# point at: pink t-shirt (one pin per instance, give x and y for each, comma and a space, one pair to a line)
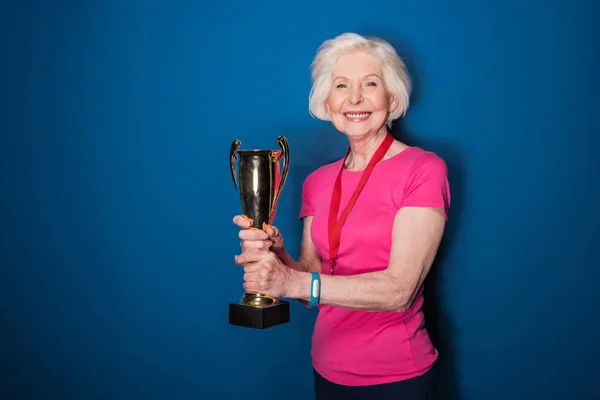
352, 347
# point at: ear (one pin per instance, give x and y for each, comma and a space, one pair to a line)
328, 110
393, 103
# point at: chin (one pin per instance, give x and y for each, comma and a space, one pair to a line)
359, 128
356, 131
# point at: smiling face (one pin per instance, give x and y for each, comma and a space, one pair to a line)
358, 103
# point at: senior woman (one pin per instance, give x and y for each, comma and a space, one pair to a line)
373, 221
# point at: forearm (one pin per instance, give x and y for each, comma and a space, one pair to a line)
373, 291
299, 265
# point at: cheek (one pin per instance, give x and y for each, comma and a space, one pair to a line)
379, 101
334, 104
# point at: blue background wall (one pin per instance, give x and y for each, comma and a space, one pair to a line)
117, 244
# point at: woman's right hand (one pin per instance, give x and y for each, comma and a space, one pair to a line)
269, 239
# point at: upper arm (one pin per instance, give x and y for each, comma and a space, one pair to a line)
416, 236
419, 223
308, 251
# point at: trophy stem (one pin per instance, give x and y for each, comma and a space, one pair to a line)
258, 300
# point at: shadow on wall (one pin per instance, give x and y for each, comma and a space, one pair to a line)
441, 328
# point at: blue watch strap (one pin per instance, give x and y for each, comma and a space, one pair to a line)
315, 289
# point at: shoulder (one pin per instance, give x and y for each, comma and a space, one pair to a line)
323, 173
418, 160
426, 181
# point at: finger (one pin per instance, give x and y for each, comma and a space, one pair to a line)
242, 221
256, 273
252, 277
242, 260
251, 255
254, 244
251, 268
253, 286
252, 234
272, 231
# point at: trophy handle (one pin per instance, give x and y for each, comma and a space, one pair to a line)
285, 154
232, 158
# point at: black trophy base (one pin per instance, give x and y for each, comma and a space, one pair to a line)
259, 318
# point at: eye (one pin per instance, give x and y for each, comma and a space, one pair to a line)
341, 85
371, 84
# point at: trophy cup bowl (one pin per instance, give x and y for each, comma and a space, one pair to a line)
259, 180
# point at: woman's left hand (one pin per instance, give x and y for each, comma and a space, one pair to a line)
265, 273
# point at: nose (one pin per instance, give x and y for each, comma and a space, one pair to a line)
355, 95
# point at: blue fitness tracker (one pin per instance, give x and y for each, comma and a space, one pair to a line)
315, 289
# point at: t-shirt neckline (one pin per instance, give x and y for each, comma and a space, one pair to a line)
345, 171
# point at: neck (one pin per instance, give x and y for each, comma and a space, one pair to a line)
362, 149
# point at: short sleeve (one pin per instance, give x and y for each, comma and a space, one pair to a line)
427, 184
306, 207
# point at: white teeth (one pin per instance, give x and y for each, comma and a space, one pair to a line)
362, 115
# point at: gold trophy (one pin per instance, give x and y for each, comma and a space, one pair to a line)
259, 181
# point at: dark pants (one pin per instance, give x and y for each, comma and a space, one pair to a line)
418, 388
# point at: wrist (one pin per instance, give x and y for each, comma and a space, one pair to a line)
300, 288
279, 252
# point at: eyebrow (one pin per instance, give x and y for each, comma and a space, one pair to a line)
364, 77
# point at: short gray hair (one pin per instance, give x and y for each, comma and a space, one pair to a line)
395, 77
